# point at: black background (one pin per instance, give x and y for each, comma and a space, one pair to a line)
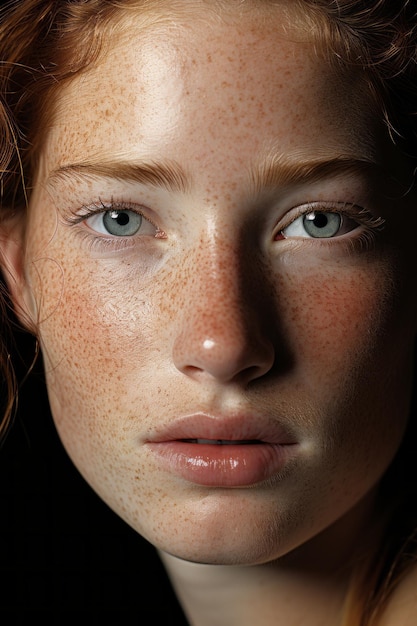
65, 556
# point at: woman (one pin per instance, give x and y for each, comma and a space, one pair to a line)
208, 223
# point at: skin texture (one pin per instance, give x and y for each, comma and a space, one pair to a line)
211, 310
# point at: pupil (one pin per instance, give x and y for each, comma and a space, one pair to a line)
320, 220
122, 219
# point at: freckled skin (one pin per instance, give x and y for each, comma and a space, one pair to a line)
218, 315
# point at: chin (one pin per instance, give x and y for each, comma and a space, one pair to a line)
244, 548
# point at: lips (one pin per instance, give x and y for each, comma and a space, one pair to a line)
221, 451
223, 442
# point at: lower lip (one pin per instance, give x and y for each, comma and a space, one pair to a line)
215, 465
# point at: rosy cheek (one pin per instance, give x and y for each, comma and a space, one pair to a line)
332, 317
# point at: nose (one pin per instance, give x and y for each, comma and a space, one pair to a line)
224, 332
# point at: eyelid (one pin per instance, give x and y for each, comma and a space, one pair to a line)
101, 206
88, 210
353, 211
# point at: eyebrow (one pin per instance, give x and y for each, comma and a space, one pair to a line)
277, 171
274, 172
169, 174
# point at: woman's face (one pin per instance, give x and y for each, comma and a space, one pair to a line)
224, 290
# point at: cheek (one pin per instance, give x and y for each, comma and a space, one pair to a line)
99, 334
335, 316
351, 332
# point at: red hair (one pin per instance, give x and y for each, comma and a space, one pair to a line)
44, 43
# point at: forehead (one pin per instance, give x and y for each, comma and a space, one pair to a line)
203, 78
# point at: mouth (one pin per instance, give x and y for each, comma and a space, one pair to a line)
224, 442
222, 451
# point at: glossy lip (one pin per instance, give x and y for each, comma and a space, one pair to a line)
262, 449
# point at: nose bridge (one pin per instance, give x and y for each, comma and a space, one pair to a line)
217, 294
218, 282
221, 331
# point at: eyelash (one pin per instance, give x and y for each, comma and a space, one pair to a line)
353, 212
364, 218
112, 241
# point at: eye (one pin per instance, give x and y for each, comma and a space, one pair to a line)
120, 223
319, 225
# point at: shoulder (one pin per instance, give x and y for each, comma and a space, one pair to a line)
402, 606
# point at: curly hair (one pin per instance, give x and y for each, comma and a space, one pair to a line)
381, 37
53, 40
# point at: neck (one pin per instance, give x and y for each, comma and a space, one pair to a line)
308, 586
217, 595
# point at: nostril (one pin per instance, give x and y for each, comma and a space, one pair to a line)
224, 337
226, 359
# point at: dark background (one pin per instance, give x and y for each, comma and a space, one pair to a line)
65, 556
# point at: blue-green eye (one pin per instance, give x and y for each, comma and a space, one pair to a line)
319, 225
114, 220
119, 223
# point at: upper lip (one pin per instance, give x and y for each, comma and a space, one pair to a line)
237, 427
